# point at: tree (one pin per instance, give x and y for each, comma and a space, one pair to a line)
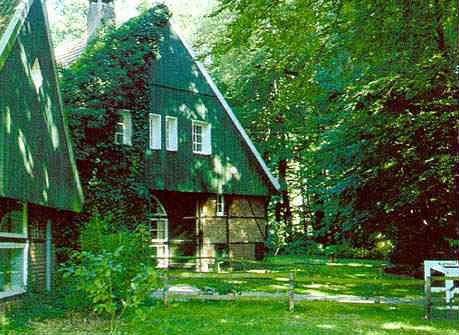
351, 111
68, 20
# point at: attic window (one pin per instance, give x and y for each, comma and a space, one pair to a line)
123, 129
155, 131
36, 75
171, 133
201, 136
220, 207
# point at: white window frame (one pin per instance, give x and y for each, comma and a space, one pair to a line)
206, 138
163, 221
171, 134
23, 244
155, 131
125, 121
220, 205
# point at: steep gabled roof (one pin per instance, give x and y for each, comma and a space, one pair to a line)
178, 70
36, 159
12, 16
212, 89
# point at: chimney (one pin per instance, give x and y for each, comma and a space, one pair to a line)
101, 13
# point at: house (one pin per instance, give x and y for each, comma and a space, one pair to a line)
39, 183
208, 186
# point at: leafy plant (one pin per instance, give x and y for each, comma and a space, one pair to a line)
113, 272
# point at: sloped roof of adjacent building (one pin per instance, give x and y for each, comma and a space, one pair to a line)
12, 16
36, 158
69, 54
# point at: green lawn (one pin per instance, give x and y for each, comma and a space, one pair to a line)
256, 318
313, 276
259, 317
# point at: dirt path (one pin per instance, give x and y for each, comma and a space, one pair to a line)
187, 292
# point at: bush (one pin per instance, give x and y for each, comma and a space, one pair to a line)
113, 271
303, 246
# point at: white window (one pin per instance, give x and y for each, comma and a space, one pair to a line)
220, 207
201, 136
37, 77
158, 228
171, 133
13, 253
155, 131
123, 129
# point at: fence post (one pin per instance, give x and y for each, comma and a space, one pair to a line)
378, 289
216, 265
428, 297
165, 290
291, 292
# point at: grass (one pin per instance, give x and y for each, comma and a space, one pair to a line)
254, 318
244, 316
313, 276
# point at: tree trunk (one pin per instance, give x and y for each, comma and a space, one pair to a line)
283, 208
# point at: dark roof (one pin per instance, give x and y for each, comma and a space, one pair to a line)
68, 55
176, 74
12, 16
36, 159
177, 77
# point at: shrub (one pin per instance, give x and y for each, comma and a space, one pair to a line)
303, 246
113, 271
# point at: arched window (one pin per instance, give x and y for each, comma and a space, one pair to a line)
159, 228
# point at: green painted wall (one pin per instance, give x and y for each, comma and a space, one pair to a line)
35, 159
179, 89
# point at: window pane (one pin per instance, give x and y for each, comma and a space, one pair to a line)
12, 222
127, 128
201, 138
161, 235
220, 205
11, 269
119, 132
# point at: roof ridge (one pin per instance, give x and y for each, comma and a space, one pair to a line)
12, 29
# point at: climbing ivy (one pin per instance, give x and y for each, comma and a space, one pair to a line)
111, 76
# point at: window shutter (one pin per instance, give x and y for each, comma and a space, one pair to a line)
171, 133
155, 131
127, 124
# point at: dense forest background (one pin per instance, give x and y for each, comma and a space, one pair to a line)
353, 104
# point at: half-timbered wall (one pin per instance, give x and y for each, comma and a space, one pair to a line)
240, 233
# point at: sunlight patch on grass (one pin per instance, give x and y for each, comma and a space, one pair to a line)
354, 265
326, 326
236, 281
277, 287
314, 286
281, 279
258, 271
400, 325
